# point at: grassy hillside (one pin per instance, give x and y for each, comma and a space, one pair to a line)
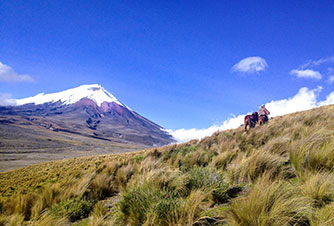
277, 174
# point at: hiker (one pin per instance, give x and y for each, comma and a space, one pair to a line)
263, 114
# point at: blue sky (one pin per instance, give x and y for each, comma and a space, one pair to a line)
171, 61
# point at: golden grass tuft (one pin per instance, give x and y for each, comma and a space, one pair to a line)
268, 203
13, 220
50, 220
319, 188
323, 216
244, 168
123, 175
21, 205
100, 187
45, 200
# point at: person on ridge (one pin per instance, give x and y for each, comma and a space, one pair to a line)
263, 114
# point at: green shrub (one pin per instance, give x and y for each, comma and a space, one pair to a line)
208, 179
166, 210
139, 158
179, 150
135, 204
75, 209
202, 177
138, 203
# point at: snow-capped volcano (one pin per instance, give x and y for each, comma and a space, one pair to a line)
87, 110
93, 92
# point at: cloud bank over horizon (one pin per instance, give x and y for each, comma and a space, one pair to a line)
6, 99
250, 65
305, 99
7, 74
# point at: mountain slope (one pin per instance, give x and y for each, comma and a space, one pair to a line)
277, 174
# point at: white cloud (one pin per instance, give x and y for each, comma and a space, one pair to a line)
182, 135
6, 99
7, 74
305, 99
315, 63
307, 73
331, 79
329, 100
250, 65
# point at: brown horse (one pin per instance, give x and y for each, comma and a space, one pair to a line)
251, 120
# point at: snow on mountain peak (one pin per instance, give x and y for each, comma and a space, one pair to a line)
94, 92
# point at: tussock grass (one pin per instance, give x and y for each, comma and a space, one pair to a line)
280, 173
323, 216
13, 220
123, 175
45, 200
74, 209
319, 188
314, 152
21, 205
50, 220
100, 187
247, 168
279, 145
222, 160
268, 203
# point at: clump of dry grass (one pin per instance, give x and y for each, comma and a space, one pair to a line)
323, 216
123, 175
147, 206
279, 145
100, 187
21, 205
319, 188
50, 220
222, 160
244, 168
191, 208
268, 203
13, 220
162, 178
314, 152
45, 200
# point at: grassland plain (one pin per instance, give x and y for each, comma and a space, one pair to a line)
277, 174
23, 145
